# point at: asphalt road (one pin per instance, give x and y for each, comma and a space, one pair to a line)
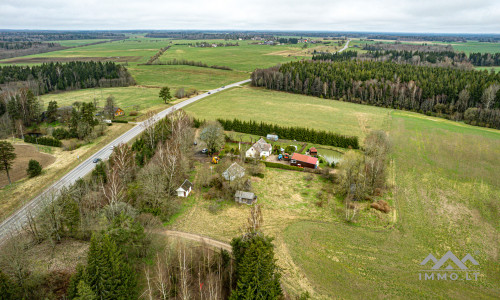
345, 46
19, 218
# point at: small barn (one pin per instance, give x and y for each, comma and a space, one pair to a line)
259, 149
313, 152
305, 161
234, 171
118, 111
184, 189
245, 197
272, 137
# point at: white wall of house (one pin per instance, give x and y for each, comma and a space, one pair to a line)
183, 193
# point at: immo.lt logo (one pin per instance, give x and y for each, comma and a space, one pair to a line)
449, 267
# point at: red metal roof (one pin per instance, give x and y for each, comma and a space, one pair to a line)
304, 158
313, 149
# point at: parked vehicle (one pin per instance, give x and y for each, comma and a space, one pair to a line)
204, 151
96, 160
215, 160
280, 157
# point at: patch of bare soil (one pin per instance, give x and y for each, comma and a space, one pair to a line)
24, 154
36, 60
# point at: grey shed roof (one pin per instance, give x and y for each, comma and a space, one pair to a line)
186, 185
261, 145
244, 195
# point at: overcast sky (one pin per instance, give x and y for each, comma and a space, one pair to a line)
440, 16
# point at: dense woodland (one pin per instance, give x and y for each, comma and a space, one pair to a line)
51, 77
49, 35
468, 95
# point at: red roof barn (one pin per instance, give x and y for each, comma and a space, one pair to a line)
313, 152
301, 160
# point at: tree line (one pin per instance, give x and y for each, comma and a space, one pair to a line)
24, 45
193, 63
290, 133
443, 58
485, 59
473, 96
51, 77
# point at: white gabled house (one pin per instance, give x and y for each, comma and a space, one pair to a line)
184, 189
259, 149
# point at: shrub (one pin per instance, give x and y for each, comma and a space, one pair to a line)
119, 121
34, 168
47, 141
61, 134
133, 113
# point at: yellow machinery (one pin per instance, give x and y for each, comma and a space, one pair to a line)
215, 160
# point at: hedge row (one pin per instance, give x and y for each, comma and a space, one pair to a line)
282, 166
47, 141
291, 133
119, 121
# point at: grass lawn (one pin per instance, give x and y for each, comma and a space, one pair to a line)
184, 76
248, 103
245, 57
444, 191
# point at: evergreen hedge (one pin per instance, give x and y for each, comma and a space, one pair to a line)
119, 121
47, 141
291, 133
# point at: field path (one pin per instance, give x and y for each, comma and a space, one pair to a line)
195, 237
16, 221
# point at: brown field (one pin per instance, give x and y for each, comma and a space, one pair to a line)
12, 197
39, 60
24, 154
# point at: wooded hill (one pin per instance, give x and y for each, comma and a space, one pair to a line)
473, 96
50, 77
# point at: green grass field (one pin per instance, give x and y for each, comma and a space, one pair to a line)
248, 103
184, 76
245, 57
445, 190
125, 97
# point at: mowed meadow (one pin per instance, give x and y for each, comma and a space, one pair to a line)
443, 186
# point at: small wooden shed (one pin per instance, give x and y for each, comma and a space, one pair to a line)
184, 189
245, 197
313, 152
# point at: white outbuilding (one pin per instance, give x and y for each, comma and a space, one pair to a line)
184, 189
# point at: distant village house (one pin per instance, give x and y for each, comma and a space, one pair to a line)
118, 111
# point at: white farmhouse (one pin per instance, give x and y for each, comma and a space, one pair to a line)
259, 149
184, 189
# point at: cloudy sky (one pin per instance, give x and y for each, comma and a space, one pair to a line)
440, 16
